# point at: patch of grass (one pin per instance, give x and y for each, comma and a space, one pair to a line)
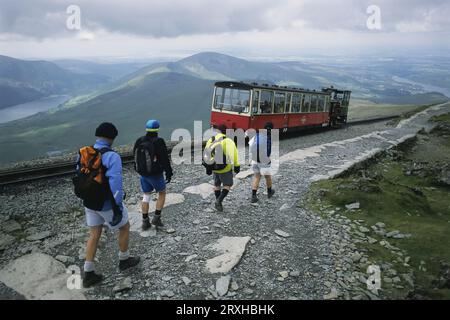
409, 202
442, 118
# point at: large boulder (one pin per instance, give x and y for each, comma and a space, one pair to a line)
204, 190
231, 250
39, 276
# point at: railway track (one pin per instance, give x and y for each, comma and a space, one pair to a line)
66, 168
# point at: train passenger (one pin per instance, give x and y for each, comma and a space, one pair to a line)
151, 161
260, 147
104, 203
222, 168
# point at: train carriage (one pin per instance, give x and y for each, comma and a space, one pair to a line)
241, 105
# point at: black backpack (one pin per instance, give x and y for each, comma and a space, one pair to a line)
145, 161
90, 183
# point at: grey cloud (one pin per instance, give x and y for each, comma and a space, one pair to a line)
46, 18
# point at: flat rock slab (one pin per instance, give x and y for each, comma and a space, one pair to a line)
39, 236
6, 240
11, 226
204, 190
244, 174
135, 216
39, 276
231, 250
352, 206
282, 233
123, 285
222, 285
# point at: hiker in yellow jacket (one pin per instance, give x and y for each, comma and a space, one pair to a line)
222, 169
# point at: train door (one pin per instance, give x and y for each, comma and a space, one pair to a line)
287, 110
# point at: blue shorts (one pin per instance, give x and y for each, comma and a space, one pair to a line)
157, 183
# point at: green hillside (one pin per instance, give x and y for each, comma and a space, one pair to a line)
175, 99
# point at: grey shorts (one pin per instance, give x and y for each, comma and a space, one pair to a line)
223, 178
99, 218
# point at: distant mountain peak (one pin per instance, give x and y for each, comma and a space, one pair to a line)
209, 55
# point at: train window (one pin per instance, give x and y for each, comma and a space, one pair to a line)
296, 103
321, 104
306, 103
235, 100
288, 102
280, 102
255, 102
313, 104
266, 101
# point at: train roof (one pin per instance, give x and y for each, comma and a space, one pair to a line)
254, 85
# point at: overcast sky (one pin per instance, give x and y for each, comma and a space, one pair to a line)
247, 28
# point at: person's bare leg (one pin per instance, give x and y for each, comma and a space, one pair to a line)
268, 181
125, 260
255, 186
90, 277
144, 207
144, 210
92, 243
256, 180
270, 191
124, 237
161, 200
159, 206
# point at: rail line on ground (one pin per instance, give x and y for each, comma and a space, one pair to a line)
66, 168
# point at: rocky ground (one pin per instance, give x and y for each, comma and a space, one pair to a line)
275, 249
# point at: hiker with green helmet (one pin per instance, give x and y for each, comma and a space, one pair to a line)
151, 161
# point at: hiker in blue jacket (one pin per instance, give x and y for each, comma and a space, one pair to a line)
114, 215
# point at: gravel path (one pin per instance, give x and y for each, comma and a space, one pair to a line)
313, 262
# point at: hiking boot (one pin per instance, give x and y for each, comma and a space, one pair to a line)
218, 206
270, 193
129, 263
156, 221
254, 199
146, 224
91, 279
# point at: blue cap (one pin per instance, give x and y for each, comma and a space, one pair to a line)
152, 126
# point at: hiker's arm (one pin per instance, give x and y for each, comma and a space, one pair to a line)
114, 175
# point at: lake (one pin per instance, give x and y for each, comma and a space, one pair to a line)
28, 109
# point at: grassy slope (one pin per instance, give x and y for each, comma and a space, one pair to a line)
408, 203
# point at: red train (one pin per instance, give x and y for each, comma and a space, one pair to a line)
241, 105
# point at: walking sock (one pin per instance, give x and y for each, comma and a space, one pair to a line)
222, 196
254, 192
157, 212
124, 255
217, 193
144, 216
89, 266
269, 190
